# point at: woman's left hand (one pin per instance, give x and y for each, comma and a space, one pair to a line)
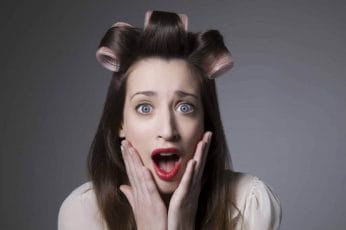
184, 201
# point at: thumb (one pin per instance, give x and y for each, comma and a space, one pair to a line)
127, 190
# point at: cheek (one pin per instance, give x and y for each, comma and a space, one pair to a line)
137, 133
191, 134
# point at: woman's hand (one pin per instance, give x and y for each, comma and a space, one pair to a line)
149, 210
184, 202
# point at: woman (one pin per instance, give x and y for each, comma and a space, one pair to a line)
159, 159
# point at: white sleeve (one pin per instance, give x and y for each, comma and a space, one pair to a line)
262, 208
79, 211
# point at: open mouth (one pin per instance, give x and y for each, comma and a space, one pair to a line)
167, 162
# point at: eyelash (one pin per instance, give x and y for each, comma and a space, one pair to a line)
190, 107
139, 108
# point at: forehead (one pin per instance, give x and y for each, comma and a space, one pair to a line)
162, 75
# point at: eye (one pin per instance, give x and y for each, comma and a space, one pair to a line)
185, 108
144, 108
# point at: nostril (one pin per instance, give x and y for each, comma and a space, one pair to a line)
171, 137
167, 126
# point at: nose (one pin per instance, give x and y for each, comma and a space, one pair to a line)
167, 126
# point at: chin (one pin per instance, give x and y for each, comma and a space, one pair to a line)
167, 187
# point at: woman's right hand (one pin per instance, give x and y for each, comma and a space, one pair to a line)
149, 210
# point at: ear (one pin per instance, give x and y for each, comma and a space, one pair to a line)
219, 66
108, 59
121, 133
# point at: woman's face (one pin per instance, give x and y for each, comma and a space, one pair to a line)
163, 117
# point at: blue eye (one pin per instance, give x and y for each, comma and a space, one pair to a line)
185, 108
144, 108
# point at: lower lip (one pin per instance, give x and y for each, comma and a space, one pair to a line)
167, 176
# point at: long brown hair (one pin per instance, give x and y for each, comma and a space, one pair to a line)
165, 37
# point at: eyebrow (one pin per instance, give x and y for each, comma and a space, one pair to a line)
180, 93
146, 93
185, 94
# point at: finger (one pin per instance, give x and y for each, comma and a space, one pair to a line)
138, 170
127, 191
149, 183
135, 156
205, 151
198, 156
141, 176
186, 181
134, 166
128, 162
126, 159
201, 154
143, 185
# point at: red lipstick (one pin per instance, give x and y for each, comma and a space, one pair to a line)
167, 162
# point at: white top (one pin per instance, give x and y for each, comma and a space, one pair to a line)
259, 207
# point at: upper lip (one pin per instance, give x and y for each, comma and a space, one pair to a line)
165, 150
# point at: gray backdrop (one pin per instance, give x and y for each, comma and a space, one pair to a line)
283, 105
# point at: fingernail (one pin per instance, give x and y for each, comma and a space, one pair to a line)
209, 136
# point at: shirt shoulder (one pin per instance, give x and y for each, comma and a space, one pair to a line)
80, 211
257, 206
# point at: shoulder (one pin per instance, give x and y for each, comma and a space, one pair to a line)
80, 211
257, 206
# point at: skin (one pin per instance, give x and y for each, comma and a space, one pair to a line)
163, 109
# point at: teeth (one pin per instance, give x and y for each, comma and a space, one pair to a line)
167, 154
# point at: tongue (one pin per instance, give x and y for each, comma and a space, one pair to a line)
166, 165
